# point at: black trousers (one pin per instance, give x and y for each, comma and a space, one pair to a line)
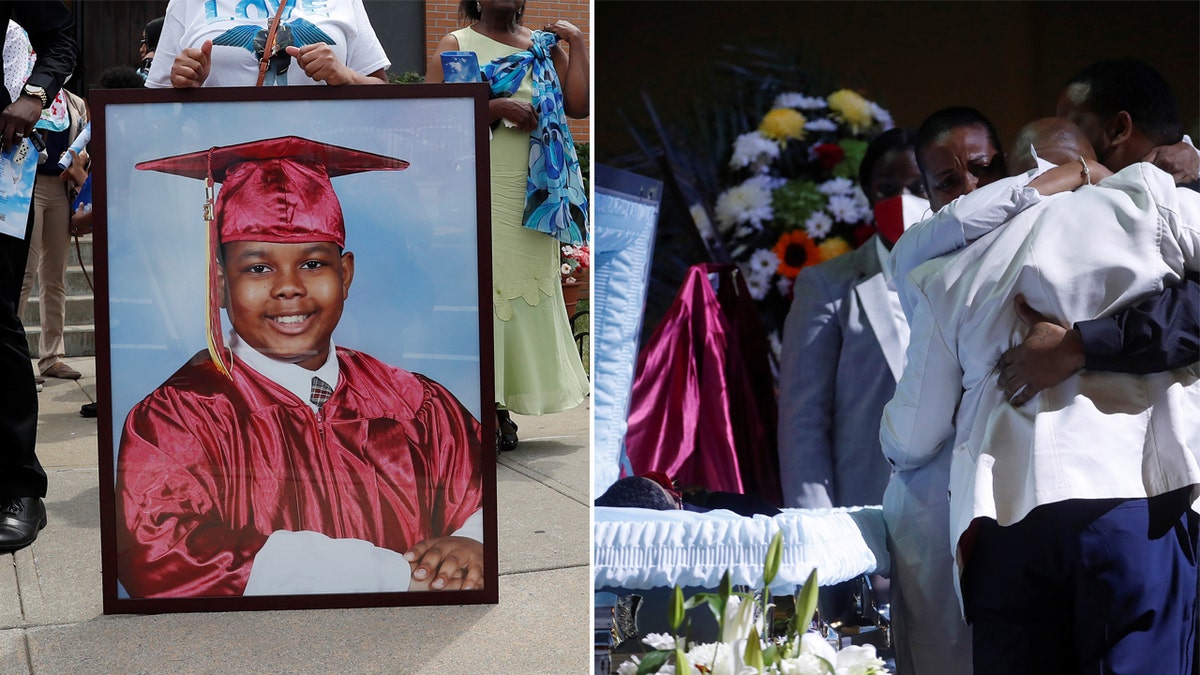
21, 473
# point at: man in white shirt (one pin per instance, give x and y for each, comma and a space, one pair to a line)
1030, 487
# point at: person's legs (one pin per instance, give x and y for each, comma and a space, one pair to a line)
506, 431
928, 630
1017, 597
1136, 592
32, 259
53, 209
21, 474
32, 262
1096, 586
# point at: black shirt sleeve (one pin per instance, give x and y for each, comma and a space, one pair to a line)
1161, 333
49, 25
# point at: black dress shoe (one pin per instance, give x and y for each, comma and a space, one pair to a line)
88, 410
21, 518
506, 432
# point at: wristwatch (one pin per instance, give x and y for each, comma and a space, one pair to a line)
40, 93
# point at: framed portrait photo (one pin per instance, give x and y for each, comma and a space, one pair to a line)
294, 347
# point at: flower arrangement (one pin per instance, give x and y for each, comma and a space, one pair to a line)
746, 645
795, 200
576, 259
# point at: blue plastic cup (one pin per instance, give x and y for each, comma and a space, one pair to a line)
460, 67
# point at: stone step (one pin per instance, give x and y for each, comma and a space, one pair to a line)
78, 340
79, 333
78, 281
85, 248
81, 309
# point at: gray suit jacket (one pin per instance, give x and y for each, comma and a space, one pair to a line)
842, 356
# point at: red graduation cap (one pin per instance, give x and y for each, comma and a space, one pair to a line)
276, 190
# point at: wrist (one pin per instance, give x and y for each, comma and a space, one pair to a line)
1085, 173
1073, 346
36, 93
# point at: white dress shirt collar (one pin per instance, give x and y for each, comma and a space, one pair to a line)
294, 378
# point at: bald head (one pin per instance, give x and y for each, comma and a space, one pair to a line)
1055, 139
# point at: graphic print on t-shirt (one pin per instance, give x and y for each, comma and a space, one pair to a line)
253, 37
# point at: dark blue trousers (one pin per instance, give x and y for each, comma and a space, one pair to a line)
1086, 586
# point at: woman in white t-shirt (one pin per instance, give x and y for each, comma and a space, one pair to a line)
218, 44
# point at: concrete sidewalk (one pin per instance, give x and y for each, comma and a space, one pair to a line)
51, 617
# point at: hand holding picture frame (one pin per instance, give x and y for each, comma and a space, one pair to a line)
292, 363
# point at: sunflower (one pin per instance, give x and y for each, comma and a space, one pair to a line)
795, 251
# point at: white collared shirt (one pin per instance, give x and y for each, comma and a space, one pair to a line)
294, 378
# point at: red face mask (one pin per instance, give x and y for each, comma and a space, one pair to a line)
896, 214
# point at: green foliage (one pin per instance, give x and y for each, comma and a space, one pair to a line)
795, 201
774, 559
411, 77
652, 661
681, 661
848, 167
676, 610
806, 604
754, 652
758, 654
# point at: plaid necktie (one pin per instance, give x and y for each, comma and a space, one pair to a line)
321, 391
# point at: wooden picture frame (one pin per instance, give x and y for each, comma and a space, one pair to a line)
183, 517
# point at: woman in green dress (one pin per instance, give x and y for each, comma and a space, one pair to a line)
538, 369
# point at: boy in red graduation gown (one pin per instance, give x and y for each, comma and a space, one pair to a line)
282, 432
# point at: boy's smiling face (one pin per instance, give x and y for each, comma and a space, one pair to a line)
284, 300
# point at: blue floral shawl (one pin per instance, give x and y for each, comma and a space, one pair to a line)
555, 202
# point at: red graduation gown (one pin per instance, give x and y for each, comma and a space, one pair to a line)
209, 468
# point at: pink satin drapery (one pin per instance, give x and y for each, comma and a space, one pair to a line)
703, 406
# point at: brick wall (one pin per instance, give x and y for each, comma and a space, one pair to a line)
441, 17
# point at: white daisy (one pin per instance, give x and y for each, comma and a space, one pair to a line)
755, 151
818, 225
793, 99
762, 261
758, 286
820, 124
837, 186
882, 116
748, 203
844, 209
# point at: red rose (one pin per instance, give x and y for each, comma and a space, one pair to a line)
828, 155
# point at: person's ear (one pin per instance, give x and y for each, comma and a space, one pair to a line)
1119, 129
222, 289
347, 273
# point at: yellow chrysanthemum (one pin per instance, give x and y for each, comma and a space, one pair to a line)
795, 252
782, 124
832, 248
852, 108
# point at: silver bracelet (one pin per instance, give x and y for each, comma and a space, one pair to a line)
1086, 174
